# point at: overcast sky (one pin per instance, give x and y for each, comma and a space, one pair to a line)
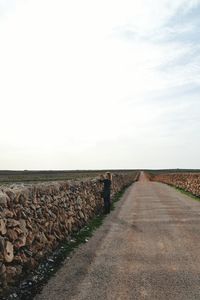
99, 84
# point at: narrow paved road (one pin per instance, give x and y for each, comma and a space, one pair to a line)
148, 248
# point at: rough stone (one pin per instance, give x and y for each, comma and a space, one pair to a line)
189, 182
36, 217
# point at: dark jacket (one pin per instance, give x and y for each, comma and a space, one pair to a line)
106, 186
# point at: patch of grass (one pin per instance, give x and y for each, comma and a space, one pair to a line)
87, 231
187, 193
117, 197
183, 192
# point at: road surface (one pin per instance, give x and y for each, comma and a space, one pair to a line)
147, 248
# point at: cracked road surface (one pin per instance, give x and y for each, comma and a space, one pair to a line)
147, 248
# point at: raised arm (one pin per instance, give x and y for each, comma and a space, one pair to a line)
101, 179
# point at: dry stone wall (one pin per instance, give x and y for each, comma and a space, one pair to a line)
35, 218
189, 182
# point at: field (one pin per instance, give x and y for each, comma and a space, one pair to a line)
26, 176
8, 177
164, 171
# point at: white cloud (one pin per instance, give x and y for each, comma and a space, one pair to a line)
79, 77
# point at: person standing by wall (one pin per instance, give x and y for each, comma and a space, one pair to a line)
107, 181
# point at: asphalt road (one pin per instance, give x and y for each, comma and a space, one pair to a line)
148, 248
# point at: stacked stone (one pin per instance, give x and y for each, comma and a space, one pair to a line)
35, 218
189, 182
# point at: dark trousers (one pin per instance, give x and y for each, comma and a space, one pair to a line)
106, 199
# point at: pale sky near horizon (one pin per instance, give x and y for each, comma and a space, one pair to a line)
99, 84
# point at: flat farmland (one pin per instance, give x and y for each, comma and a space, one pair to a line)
166, 171
26, 176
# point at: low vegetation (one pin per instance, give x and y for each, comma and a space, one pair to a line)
10, 177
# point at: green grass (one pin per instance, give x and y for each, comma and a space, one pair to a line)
186, 193
183, 192
87, 231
